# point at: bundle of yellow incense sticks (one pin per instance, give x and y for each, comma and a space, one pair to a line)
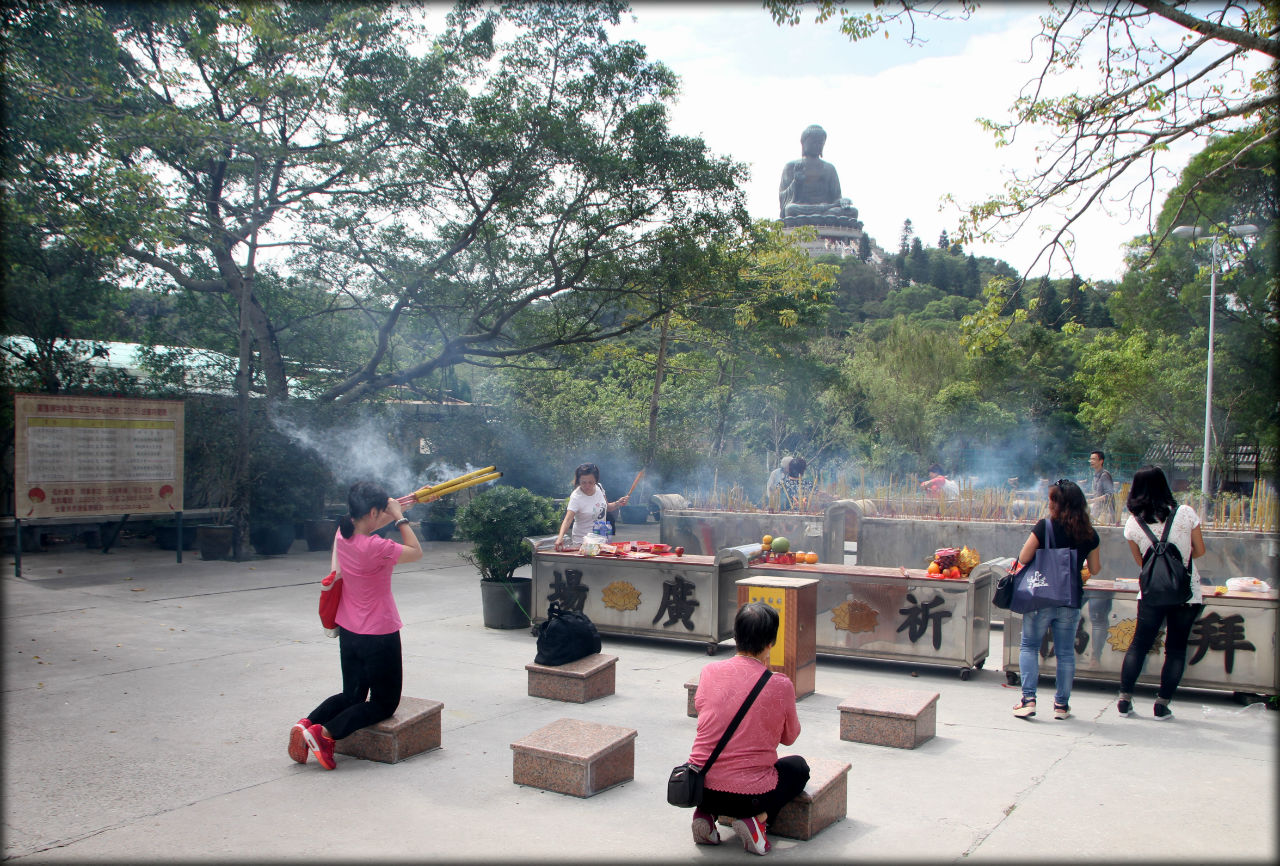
453, 485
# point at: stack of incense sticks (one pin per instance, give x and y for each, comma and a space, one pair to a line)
453, 485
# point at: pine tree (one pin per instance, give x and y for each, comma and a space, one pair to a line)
904, 243
864, 248
1048, 311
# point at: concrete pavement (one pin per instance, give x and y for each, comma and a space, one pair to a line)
147, 706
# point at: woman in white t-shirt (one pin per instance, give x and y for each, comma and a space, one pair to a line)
587, 504
1152, 502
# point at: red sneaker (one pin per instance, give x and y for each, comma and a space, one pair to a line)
704, 828
321, 745
298, 741
751, 832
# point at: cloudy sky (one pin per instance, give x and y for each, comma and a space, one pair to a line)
900, 120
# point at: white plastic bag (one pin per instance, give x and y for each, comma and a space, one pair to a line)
1247, 584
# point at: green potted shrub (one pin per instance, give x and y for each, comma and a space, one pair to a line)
497, 522
440, 522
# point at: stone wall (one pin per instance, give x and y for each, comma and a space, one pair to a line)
898, 541
894, 541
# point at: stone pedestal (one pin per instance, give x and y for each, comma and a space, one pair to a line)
903, 718
574, 757
823, 801
414, 728
578, 681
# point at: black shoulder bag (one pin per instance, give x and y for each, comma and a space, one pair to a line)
684, 786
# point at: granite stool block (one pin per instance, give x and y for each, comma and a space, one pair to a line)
574, 757
412, 729
692, 686
578, 681
824, 800
903, 718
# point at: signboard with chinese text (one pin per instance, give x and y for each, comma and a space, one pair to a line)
96, 456
896, 614
685, 598
1233, 643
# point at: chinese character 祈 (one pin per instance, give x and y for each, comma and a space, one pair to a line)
920, 615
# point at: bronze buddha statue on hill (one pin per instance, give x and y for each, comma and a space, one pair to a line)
809, 193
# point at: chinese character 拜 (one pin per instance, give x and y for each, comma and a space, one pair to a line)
1216, 632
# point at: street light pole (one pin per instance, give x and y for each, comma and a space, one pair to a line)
1195, 232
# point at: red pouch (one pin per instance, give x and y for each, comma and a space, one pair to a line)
330, 596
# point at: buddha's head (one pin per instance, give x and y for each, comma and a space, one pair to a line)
812, 140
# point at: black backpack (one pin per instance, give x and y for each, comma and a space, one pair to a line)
566, 636
1165, 579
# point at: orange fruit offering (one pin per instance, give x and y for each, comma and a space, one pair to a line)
811, 558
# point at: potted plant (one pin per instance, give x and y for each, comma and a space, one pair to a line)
440, 522
497, 522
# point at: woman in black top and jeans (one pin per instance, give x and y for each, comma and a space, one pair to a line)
1071, 528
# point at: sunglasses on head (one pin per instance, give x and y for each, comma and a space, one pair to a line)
1063, 482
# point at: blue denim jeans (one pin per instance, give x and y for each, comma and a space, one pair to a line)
1063, 620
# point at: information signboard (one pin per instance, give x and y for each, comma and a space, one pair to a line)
90, 456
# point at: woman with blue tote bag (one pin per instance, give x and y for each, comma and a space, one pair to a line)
1068, 526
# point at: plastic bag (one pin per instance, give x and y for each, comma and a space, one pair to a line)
1247, 584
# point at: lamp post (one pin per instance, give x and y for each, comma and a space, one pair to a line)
1195, 233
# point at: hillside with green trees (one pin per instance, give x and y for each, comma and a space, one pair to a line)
364, 235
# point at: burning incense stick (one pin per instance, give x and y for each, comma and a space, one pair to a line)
453, 485
639, 475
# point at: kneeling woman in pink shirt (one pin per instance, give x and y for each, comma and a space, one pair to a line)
747, 782
368, 625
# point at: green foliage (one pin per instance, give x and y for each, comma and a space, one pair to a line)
497, 522
1142, 388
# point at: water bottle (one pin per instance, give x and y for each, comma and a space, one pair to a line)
601, 527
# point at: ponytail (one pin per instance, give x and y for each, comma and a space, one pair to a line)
346, 526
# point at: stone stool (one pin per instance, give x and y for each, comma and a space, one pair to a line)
574, 757
692, 685
903, 718
414, 728
578, 681
823, 801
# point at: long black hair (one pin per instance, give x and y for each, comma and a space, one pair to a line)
1067, 506
1150, 499
363, 497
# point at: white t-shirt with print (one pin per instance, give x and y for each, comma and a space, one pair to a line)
586, 510
1185, 519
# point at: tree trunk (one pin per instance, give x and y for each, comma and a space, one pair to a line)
240, 487
659, 370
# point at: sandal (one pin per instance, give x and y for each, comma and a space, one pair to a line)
1025, 708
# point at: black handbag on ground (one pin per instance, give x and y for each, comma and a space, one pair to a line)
684, 785
566, 636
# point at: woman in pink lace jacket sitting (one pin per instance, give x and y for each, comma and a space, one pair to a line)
748, 781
